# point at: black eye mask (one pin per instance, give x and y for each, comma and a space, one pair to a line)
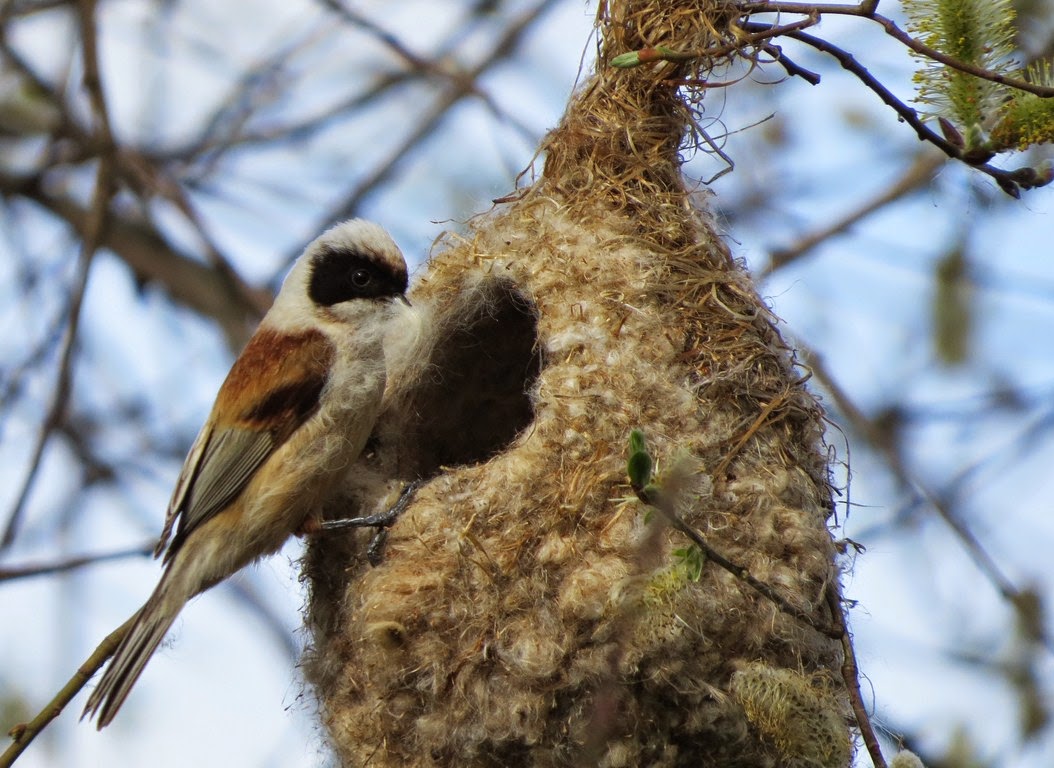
339, 275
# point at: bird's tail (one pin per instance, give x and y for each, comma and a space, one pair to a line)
134, 651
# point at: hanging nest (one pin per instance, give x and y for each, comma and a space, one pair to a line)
527, 609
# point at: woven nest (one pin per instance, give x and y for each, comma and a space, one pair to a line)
527, 610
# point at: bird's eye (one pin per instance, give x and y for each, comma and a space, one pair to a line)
361, 278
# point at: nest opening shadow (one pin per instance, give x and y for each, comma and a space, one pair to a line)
462, 390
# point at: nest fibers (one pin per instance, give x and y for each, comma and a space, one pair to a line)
527, 610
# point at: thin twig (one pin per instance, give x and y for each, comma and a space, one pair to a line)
63, 380
104, 179
850, 64
837, 630
914, 178
15, 376
22, 735
863, 425
891, 28
462, 87
654, 497
258, 300
149, 256
793, 69
142, 174
851, 678
1009, 181
391, 41
11, 573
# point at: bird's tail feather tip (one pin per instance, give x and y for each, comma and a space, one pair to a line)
127, 664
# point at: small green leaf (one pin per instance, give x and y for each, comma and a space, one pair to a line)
639, 469
640, 464
636, 441
626, 60
692, 560
647, 56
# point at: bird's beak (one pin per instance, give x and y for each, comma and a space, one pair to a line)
404, 300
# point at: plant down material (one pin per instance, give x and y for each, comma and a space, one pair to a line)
798, 715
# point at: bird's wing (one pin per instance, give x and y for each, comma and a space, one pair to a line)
273, 388
179, 494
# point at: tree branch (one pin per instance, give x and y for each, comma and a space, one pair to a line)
851, 678
93, 231
1010, 182
654, 498
22, 735
864, 426
867, 11
13, 573
462, 87
228, 299
916, 176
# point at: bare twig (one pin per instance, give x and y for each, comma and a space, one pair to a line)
223, 129
104, 180
462, 87
837, 630
654, 497
864, 426
15, 375
150, 257
22, 735
258, 300
851, 678
751, 33
63, 379
917, 175
792, 69
219, 292
11, 573
96, 222
868, 12
1010, 182
13, 9
372, 28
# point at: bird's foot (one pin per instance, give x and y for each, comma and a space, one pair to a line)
381, 522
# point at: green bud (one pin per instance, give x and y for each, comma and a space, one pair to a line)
978, 150
951, 133
636, 441
626, 60
639, 469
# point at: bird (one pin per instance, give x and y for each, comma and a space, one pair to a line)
295, 410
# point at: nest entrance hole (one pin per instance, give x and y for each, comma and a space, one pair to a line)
475, 397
